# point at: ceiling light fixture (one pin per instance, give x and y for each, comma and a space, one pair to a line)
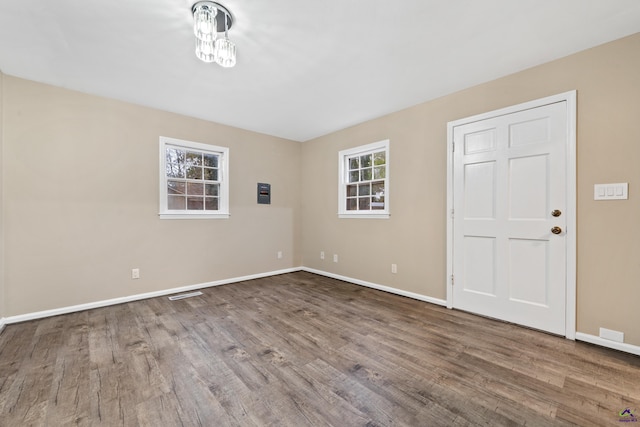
209, 19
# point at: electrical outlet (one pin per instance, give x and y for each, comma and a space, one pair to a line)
394, 268
321, 254
335, 257
135, 273
279, 254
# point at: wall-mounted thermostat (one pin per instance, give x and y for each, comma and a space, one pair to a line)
264, 194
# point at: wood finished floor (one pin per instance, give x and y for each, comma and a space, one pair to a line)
303, 350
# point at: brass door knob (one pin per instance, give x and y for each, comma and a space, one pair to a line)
556, 213
556, 230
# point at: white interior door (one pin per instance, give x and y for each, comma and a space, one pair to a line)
509, 226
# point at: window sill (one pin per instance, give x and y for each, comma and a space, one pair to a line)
365, 216
193, 216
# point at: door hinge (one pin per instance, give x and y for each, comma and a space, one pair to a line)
454, 146
452, 212
452, 280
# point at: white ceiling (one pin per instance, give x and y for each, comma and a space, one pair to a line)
304, 68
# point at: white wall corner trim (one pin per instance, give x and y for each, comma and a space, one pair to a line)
620, 346
384, 288
122, 300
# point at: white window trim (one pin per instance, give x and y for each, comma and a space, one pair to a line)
223, 198
343, 181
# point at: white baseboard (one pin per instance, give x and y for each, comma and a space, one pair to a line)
389, 289
121, 300
627, 348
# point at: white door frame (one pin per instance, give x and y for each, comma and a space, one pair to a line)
570, 99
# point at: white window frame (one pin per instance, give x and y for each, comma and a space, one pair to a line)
223, 178
343, 181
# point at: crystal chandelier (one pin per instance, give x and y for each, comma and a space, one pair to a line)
209, 19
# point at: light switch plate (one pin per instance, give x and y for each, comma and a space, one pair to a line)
616, 191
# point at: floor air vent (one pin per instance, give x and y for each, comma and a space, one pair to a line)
183, 296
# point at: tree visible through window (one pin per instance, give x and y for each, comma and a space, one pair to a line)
193, 183
364, 181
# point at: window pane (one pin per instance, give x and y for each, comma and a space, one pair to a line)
194, 188
352, 204
353, 163
175, 187
174, 170
211, 160
210, 174
211, 203
365, 175
379, 158
364, 189
352, 190
365, 161
354, 176
194, 172
379, 172
195, 203
211, 189
377, 199
377, 188
176, 202
194, 158
363, 203
175, 155
377, 204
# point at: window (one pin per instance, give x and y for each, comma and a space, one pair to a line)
194, 180
364, 181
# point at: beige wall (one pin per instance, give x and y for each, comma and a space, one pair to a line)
608, 86
2, 309
81, 201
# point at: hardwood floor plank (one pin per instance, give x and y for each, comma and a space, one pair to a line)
162, 411
71, 375
585, 403
303, 350
377, 408
26, 399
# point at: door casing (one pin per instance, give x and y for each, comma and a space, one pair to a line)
571, 102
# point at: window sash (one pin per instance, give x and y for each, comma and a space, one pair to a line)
192, 180
364, 183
